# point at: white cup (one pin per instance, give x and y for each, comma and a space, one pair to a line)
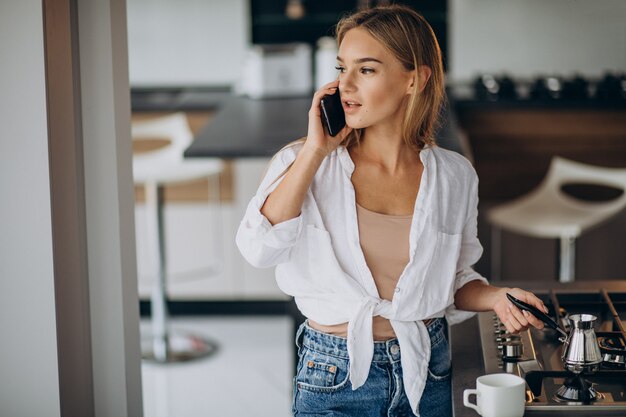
498, 395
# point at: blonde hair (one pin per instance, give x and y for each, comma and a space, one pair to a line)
410, 39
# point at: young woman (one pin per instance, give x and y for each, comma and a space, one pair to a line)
373, 231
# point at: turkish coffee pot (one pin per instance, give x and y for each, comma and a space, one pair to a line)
581, 352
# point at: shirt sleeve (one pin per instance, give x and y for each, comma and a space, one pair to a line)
262, 244
471, 251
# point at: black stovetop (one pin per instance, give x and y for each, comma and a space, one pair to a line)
541, 365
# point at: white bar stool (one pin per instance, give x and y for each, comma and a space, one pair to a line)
548, 212
154, 169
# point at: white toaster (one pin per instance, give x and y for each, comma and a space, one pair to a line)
281, 70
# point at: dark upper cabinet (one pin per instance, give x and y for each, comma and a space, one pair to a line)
270, 23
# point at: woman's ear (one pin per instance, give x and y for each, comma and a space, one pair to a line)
421, 76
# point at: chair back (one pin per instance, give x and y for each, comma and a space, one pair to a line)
563, 171
167, 164
173, 127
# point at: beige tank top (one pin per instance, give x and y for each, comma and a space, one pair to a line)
385, 244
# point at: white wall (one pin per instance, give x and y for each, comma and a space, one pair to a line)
30, 368
186, 42
29, 374
533, 37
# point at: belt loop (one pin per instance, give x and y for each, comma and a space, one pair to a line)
299, 334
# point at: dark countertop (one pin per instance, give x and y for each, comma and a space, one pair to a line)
600, 105
178, 98
466, 351
245, 128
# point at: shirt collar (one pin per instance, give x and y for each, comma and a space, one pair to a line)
346, 161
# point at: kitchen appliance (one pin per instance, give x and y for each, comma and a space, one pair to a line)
491, 88
581, 352
612, 87
277, 70
550, 89
325, 61
541, 358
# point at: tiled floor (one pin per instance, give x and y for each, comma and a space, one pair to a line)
250, 375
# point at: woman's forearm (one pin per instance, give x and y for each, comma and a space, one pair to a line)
477, 296
285, 202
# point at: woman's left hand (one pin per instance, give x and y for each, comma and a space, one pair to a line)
514, 319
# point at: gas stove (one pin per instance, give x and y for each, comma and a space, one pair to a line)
535, 355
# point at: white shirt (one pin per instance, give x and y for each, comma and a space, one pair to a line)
320, 263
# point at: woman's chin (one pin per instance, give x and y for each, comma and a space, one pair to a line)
355, 124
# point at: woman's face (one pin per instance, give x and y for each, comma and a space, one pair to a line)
372, 82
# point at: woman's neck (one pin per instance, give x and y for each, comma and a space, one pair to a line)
387, 150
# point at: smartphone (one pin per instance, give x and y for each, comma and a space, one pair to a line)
333, 117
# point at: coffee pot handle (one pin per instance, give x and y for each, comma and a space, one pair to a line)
466, 401
535, 312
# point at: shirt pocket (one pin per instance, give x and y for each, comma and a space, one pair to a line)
439, 279
319, 257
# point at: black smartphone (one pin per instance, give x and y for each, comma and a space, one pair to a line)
333, 117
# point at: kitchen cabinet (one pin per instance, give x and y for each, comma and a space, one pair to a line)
277, 21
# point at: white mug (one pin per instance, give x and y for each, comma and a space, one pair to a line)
498, 395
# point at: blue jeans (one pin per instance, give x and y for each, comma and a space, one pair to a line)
322, 386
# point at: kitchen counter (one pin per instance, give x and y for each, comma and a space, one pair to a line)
466, 349
246, 128
242, 127
249, 128
178, 99
473, 104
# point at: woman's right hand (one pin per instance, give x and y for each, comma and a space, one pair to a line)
317, 138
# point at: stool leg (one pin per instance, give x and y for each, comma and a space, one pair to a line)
214, 183
567, 259
165, 345
154, 213
496, 253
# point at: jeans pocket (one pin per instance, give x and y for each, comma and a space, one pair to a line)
440, 365
321, 373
